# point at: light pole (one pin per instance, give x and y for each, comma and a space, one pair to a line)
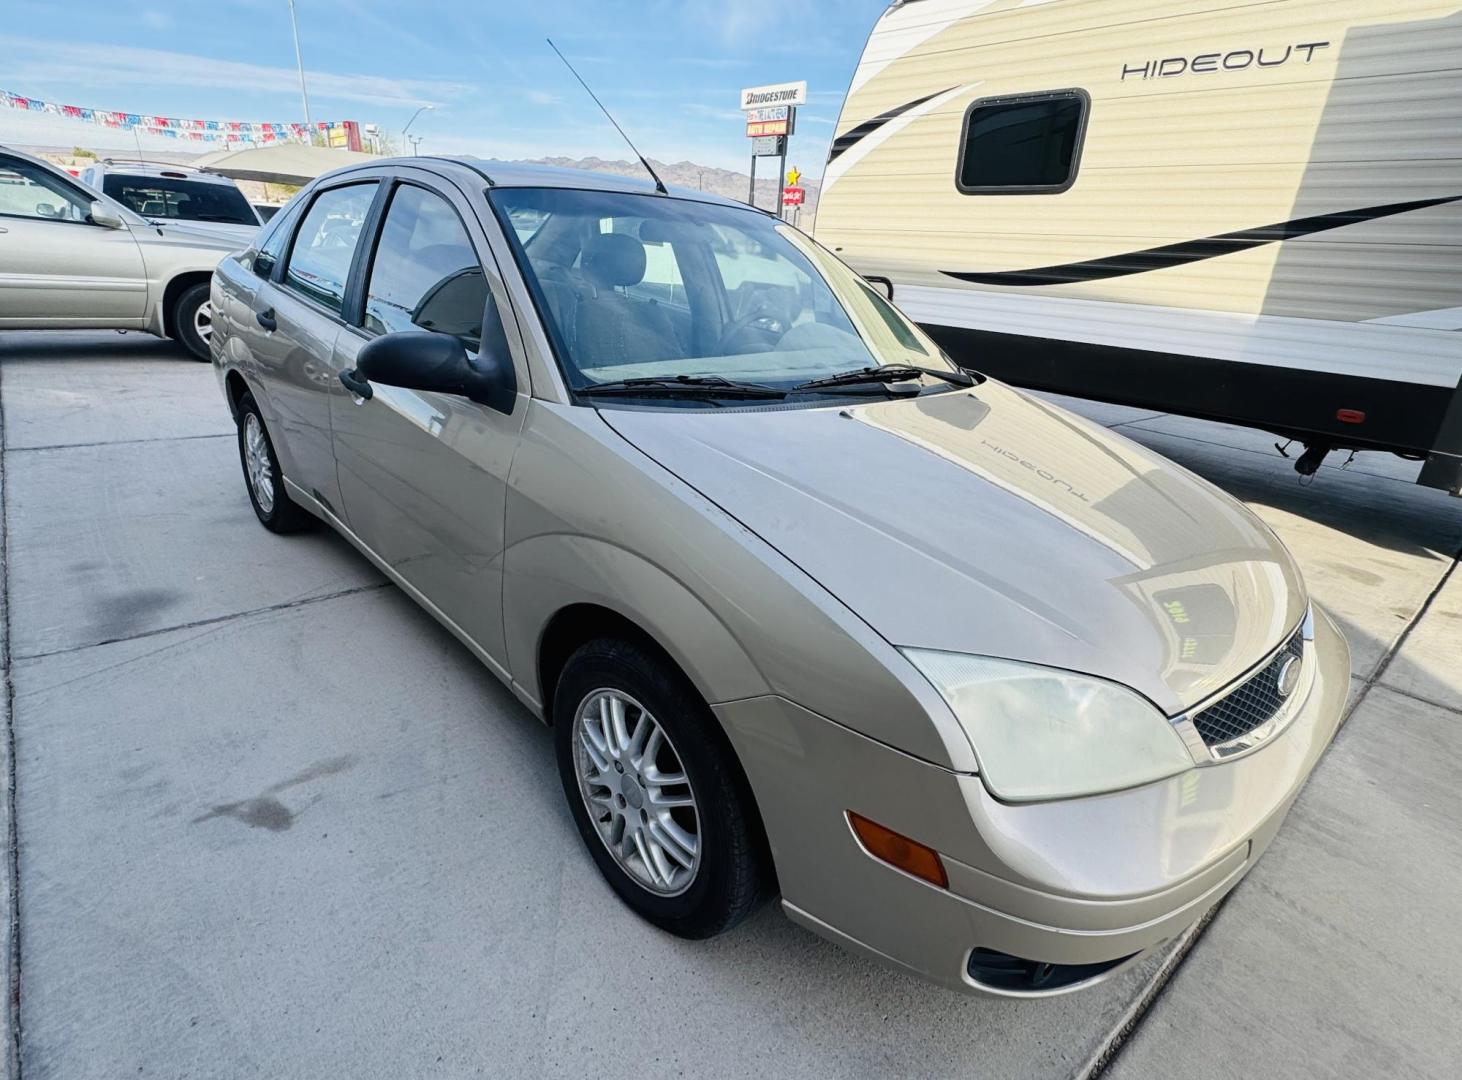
415, 143
300, 61
418, 112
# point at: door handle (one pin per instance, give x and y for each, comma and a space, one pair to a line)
266, 319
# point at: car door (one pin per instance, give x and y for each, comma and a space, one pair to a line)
424, 475
298, 314
58, 268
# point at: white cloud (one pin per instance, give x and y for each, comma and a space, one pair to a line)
733, 116
34, 63
543, 97
738, 22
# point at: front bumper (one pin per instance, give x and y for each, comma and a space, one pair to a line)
1077, 882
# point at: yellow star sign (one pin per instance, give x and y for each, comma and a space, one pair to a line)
793, 175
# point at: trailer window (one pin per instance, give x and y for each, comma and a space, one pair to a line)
1026, 145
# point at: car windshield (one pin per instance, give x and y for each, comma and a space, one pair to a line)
649, 287
180, 199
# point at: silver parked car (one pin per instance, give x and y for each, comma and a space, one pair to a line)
981, 689
166, 193
74, 258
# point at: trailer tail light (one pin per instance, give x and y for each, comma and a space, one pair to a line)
1350, 416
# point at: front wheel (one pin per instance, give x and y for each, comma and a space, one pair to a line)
193, 320
655, 792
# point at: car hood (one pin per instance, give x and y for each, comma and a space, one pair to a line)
989, 522
212, 235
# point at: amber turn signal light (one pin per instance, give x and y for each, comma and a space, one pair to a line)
908, 855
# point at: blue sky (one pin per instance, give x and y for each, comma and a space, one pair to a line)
670, 71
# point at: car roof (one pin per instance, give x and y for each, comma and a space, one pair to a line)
134, 167
516, 174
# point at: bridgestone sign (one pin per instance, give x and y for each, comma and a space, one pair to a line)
761, 97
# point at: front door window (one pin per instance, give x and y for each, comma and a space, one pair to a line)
26, 191
425, 274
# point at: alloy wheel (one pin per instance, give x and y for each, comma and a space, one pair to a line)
203, 322
637, 792
258, 463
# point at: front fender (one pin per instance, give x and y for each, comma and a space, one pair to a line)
546, 573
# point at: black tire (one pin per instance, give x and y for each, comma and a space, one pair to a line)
733, 872
282, 515
185, 311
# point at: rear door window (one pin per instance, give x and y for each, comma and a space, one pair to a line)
319, 261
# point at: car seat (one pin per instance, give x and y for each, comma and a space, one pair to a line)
612, 329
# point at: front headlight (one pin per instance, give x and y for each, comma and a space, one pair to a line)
1043, 733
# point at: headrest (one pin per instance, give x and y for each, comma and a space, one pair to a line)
614, 259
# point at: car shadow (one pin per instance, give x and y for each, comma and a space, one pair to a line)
1379, 510
73, 345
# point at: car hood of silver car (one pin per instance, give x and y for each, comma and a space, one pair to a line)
984, 521
205, 234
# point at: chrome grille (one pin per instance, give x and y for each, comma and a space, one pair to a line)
1251, 704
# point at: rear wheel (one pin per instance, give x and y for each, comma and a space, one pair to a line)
265, 483
193, 320
655, 792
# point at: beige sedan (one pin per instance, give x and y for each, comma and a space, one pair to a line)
73, 258
980, 689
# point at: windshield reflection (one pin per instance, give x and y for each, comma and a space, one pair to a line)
643, 287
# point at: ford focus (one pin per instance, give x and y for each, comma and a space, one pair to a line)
978, 688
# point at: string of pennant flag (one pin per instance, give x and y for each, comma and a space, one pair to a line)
171, 127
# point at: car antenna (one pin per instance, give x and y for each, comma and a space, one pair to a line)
659, 184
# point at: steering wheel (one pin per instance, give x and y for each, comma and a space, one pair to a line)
771, 323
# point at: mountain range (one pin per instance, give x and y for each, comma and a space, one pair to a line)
687, 174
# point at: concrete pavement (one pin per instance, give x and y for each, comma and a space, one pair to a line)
272, 820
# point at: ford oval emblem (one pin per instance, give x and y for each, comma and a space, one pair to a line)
1288, 676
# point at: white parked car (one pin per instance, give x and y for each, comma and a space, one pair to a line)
166, 194
74, 258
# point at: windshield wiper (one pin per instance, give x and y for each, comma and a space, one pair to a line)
683, 385
886, 373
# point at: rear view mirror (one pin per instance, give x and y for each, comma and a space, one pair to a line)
102, 214
421, 360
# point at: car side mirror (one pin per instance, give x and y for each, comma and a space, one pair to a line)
423, 360
102, 214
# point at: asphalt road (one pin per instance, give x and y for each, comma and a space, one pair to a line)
270, 820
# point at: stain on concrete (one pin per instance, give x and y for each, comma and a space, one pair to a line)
264, 811
1355, 573
122, 615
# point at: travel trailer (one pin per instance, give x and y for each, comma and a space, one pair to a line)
1249, 212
